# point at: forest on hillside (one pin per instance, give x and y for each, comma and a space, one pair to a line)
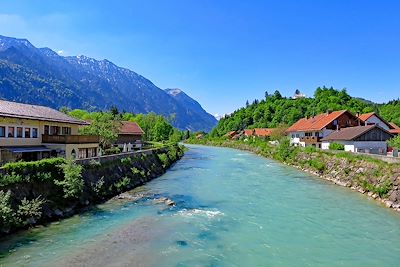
278, 111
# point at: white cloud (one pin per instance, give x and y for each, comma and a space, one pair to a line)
60, 52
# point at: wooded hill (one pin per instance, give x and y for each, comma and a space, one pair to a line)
276, 110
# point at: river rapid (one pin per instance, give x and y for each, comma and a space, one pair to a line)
232, 208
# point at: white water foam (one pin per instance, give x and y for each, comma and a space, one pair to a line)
198, 212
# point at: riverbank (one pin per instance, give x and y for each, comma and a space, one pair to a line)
375, 178
33, 193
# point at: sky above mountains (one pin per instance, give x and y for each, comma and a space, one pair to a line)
224, 52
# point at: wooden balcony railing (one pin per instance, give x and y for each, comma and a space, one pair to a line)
70, 139
310, 139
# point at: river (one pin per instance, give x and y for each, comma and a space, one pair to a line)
233, 208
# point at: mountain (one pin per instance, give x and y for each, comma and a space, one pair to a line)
41, 76
193, 108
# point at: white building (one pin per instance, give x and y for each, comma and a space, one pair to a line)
363, 139
374, 119
310, 131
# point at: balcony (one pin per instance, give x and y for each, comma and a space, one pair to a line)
70, 139
310, 139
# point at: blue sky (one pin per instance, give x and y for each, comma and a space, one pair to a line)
225, 52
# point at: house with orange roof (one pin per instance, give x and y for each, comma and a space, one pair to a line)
310, 131
259, 132
373, 118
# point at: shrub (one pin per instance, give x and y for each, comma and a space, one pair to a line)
336, 146
98, 186
164, 159
30, 210
7, 215
122, 184
310, 149
317, 165
41, 170
126, 161
112, 150
73, 182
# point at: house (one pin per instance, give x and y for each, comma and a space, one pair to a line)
310, 131
395, 129
31, 132
129, 136
364, 139
263, 132
297, 95
230, 134
374, 119
248, 132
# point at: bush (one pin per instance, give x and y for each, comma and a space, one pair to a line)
122, 184
317, 165
336, 146
163, 157
7, 215
310, 149
73, 182
112, 150
41, 170
126, 161
30, 210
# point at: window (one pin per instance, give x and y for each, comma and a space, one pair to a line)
19, 132
11, 132
2, 131
317, 134
292, 135
34, 132
54, 130
27, 132
66, 130
46, 129
92, 152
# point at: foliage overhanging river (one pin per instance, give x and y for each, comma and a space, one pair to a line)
232, 208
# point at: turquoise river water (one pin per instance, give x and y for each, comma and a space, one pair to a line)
232, 208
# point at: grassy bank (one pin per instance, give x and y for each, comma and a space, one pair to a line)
364, 174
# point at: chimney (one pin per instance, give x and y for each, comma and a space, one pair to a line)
329, 111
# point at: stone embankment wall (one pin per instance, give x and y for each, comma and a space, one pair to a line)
377, 179
41, 199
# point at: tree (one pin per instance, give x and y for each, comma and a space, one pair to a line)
277, 95
105, 126
297, 92
247, 103
395, 142
266, 95
114, 110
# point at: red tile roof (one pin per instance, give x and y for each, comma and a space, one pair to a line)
394, 126
366, 116
130, 127
263, 131
394, 131
248, 132
35, 112
316, 123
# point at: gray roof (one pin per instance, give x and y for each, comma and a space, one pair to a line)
27, 111
350, 133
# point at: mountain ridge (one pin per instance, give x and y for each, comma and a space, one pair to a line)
41, 76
